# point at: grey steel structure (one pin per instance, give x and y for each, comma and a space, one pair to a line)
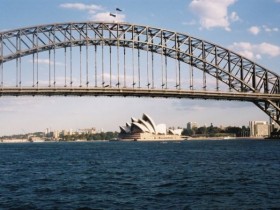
245, 79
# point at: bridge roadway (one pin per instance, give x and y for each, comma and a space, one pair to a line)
137, 92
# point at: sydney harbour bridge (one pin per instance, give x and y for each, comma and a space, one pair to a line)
122, 59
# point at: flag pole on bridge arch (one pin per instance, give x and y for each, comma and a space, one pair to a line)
116, 15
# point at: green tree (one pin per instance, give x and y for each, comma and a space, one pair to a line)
201, 130
187, 132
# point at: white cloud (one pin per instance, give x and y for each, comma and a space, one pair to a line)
17, 105
268, 29
269, 49
255, 51
258, 56
214, 13
254, 30
80, 6
2, 30
105, 16
46, 61
41, 61
95, 12
234, 17
189, 23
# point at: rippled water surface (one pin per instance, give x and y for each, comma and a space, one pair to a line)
141, 175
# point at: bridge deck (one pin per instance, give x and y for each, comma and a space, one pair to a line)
137, 92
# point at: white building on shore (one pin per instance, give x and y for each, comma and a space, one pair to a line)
259, 128
146, 129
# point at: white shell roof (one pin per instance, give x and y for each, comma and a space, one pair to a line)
140, 126
147, 125
150, 120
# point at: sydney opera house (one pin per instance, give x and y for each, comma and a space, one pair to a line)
146, 129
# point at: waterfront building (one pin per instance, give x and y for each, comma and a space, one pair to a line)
47, 131
87, 131
146, 129
55, 134
259, 129
65, 133
191, 125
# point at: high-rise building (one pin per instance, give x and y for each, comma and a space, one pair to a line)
191, 125
65, 132
47, 131
55, 134
259, 129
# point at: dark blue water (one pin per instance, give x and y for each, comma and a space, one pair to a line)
138, 175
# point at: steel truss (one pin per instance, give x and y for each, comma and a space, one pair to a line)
240, 74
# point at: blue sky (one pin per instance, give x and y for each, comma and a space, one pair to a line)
250, 27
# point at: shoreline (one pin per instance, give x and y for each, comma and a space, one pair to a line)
227, 138
17, 141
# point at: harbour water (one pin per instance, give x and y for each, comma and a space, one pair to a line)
224, 174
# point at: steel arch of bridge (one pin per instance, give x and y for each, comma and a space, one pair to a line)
246, 80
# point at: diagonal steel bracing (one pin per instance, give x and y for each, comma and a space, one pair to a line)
250, 80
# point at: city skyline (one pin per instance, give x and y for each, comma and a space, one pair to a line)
231, 25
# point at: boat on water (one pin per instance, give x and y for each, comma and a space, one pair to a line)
114, 139
229, 137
